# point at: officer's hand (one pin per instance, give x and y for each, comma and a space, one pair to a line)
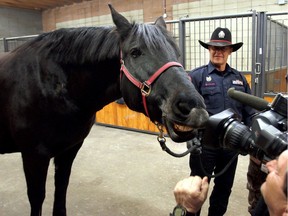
191, 193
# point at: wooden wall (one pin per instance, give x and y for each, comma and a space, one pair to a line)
276, 81
119, 115
87, 9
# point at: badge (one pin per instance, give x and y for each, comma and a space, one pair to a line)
208, 82
221, 34
208, 78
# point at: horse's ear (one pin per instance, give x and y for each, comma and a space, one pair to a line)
160, 22
122, 24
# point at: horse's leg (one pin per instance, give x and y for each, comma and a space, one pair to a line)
63, 164
35, 169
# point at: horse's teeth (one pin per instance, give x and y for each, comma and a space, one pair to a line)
182, 128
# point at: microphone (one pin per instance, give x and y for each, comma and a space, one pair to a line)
247, 99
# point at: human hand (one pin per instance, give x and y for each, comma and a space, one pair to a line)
191, 193
273, 188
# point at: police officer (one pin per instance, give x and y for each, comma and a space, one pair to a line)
212, 81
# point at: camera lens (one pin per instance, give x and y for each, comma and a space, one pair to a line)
237, 137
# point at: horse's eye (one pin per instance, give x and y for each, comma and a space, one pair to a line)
135, 53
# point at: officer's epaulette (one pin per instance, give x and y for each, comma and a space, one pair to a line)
203, 66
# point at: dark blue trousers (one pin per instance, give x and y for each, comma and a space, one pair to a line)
215, 160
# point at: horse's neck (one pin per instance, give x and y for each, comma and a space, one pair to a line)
3, 56
96, 84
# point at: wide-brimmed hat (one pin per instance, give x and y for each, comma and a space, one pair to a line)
221, 37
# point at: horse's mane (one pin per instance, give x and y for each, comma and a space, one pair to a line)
90, 44
154, 38
70, 45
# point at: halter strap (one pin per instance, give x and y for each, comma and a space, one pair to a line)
145, 87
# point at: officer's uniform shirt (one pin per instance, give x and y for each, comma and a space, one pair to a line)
213, 86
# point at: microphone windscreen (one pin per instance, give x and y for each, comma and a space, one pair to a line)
247, 99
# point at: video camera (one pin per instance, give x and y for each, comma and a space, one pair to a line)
267, 137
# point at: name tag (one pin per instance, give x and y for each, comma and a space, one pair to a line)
208, 84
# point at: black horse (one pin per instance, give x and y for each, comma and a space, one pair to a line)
52, 86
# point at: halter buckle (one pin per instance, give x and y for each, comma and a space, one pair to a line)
145, 89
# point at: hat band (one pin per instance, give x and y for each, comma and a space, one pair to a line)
221, 41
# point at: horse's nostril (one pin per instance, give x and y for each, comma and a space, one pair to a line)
183, 104
184, 107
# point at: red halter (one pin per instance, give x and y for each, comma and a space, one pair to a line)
145, 87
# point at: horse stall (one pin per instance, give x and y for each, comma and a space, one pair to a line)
116, 172
53, 85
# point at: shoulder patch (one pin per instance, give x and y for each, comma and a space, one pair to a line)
237, 82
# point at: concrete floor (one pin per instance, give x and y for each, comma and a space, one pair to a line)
117, 172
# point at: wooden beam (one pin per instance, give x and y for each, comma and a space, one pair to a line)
36, 4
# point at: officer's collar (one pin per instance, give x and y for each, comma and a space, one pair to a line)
212, 68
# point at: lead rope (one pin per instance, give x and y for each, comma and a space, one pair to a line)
162, 141
193, 149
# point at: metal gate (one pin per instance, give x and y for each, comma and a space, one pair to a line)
262, 59
271, 54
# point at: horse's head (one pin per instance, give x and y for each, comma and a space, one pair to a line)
153, 82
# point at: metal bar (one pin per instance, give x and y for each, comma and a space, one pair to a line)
21, 37
195, 61
182, 37
5, 43
253, 54
248, 48
217, 17
276, 13
242, 36
275, 48
262, 52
